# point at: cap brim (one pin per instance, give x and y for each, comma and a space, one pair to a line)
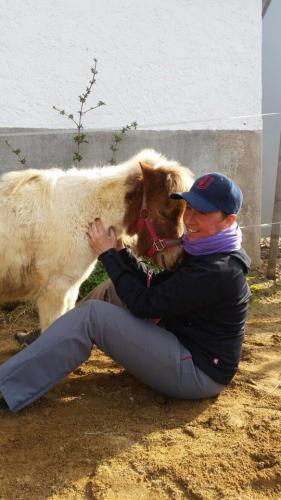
195, 201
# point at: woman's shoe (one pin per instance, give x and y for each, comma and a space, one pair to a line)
3, 404
26, 338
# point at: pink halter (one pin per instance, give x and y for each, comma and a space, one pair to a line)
157, 244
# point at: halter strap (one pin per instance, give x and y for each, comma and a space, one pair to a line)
158, 244
148, 284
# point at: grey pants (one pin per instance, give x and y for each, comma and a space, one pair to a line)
152, 354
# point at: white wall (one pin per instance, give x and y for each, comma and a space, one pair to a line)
159, 62
271, 104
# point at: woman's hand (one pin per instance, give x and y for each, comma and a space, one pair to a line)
100, 240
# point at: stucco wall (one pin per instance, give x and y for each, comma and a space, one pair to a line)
181, 69
160, 63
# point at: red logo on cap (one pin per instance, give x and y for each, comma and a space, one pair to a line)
205, 182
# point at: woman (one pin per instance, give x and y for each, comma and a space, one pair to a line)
191, 349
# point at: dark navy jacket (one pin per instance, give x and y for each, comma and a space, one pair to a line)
203, 302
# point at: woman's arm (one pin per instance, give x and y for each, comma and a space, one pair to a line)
101, 241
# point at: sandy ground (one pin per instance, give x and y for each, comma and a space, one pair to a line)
100, 434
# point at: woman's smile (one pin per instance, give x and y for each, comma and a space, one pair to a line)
203, 224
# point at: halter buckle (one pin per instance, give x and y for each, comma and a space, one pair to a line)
159, 245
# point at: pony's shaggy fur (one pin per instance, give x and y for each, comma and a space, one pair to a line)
45, 214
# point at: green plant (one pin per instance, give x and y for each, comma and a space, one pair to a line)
98, 276
261, 288
17, 152
80, 137
118, 138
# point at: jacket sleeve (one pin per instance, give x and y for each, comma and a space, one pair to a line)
129, 259
139, 268
136, 267
185, 290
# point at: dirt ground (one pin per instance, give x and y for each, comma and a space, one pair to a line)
100, 434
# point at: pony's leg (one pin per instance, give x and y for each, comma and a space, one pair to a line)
54, 302
71, 297
50, 307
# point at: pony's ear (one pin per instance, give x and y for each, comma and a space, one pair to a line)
160, 177
146, 168
148, 172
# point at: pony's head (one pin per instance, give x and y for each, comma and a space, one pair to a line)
153, 215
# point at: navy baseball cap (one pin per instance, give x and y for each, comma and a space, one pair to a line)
213, 192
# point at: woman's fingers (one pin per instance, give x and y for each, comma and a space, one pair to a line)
101, 239
112, 232
99, 227
96, 227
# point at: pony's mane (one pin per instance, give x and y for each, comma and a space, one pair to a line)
126, 173
11, 182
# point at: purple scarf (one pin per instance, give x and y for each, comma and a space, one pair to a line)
223, 242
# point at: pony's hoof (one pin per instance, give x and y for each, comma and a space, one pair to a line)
26, 338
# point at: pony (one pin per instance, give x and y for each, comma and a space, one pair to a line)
45, 214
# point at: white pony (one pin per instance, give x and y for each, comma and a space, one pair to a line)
45, 214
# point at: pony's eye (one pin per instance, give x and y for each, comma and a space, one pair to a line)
162, 213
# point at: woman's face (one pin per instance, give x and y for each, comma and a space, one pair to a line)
203, 224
